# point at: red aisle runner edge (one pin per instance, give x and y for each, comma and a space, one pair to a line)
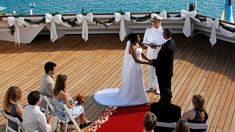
126, 119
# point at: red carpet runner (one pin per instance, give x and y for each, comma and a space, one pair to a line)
126, 119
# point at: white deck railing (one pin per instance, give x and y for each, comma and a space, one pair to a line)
28, 32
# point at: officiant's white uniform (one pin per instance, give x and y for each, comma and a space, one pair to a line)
153, 36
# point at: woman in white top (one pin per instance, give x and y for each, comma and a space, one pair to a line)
132, 91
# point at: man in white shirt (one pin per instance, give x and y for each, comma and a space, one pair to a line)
47, 82
153, 38
33, 118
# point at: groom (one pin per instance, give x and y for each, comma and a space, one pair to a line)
164, 62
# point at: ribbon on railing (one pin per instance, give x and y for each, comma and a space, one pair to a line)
84, 19
118, 17
215, 25
16, 22
163, 14
187, 24
53, 20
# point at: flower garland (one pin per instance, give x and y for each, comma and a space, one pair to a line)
104, 23
73, 21
227, 28
31, 22
12, 30
141, 19
201, 18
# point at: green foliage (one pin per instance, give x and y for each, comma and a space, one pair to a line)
12, 29
105, 23
141, 19
72, 22
31, 22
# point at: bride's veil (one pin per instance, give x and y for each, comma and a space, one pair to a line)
126, 63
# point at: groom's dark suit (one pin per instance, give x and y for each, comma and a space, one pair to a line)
164, 65
165, 112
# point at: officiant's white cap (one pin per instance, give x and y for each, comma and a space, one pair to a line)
155, 18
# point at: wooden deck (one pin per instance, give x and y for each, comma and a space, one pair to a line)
96, 64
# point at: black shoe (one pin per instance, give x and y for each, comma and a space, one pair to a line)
70, 122
149, 89
85, 124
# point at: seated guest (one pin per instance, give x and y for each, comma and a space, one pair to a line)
182, 126
33, 119
198, 114
150, 121
11, 105
61, 95
165, 111
47, 82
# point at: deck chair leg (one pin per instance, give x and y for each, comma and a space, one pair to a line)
6, 126
66, 126
75, 124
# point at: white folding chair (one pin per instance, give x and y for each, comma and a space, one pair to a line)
49, 106
13, 119
165, 124
198, 126
68, 116
191, 125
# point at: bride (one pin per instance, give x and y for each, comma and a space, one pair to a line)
132, 91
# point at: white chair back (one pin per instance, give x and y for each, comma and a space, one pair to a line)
191, 125
49, 106
13, 119
198, 126
68, 115
165, 124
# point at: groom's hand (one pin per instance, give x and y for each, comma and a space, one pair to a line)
151, 62
153, 46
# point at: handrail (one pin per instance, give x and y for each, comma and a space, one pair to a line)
222, 21
42, 15
134, 13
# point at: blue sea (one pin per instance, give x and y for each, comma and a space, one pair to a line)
212, 8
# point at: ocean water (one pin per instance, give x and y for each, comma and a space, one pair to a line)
212, 8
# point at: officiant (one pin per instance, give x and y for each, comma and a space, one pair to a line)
153, 38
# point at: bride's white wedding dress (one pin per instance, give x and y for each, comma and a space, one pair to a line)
132, 91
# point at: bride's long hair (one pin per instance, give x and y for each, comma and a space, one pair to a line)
133, 38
